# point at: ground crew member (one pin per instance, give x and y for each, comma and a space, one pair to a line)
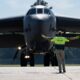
59, 42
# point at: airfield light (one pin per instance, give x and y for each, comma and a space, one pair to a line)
19, 48
27, 57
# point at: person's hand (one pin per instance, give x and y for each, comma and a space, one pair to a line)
46, 37
43, 36
78, 37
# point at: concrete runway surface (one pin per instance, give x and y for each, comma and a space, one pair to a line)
39, 73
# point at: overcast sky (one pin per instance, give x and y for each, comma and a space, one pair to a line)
11, 8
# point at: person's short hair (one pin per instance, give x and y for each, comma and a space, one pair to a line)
61, 30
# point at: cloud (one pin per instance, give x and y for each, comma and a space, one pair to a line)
12, 3
68, 8
62, 4
17, 4
20, 7
14, 7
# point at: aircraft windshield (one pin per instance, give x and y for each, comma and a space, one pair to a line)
39, 11
31, 11
46, 11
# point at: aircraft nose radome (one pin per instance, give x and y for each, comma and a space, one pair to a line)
40, 16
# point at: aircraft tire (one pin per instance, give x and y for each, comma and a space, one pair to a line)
53, 59
46, 59
32, 60
23, 61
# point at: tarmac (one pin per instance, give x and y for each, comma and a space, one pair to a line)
39, 73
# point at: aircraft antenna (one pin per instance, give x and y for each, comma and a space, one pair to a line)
40, 2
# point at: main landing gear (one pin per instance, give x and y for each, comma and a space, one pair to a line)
50, 57
27, 56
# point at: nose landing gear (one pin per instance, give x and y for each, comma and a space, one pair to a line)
26, 58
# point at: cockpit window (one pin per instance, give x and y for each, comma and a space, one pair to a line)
39, 11
31, 11
46, 11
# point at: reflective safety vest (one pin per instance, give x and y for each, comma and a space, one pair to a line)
59, 40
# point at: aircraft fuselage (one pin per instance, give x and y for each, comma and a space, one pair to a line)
38, 21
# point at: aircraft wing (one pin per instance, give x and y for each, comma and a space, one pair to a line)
14, 24
11, 32
68, 24
72, 43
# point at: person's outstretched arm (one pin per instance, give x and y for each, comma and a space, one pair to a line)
73, 38
46, 37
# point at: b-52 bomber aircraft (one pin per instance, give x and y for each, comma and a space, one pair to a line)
25, 32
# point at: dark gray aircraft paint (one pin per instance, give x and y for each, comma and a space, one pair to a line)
39, 21
26, 31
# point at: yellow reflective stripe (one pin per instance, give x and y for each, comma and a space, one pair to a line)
59, 40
